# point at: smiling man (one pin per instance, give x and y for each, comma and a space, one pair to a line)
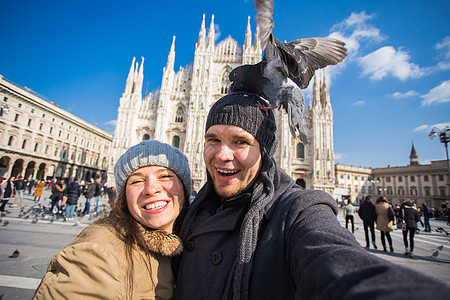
252, 233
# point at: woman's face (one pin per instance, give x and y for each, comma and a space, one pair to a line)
155, 197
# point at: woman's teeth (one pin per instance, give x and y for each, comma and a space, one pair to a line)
156, 205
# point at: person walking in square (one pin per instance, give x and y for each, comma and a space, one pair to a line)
38, 190
58, 190
426, 211
9, 192
349, 213
368, 215
73, 192
90, 191
97, 193
384, 224
411, 216
19, 185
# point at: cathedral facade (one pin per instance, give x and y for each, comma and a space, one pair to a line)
176, 113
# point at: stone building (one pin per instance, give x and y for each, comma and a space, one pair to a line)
352, 182
427, 183
176, 112
39, 140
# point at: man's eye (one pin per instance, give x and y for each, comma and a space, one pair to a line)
212, 140
242, 142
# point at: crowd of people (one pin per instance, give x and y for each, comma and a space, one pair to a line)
384, 217
64, 198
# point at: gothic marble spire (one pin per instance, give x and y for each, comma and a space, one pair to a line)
211, 34
202, 35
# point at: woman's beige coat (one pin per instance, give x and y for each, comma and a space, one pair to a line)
383, 222
94, 266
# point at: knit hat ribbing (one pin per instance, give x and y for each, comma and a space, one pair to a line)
240, 109
152, 153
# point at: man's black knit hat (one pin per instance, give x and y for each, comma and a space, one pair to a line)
240, 109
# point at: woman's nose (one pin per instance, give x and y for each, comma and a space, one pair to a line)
152, 187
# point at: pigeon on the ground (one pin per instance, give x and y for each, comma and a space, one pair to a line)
34, 221
5, 223
435, 254
15, 254
440, 247
285, 69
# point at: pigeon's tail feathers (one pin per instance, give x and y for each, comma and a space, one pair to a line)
294, 104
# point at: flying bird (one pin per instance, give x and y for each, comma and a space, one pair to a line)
285, 69
15, 254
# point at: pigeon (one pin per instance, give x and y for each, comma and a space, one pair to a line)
440, 247
5, 223
34, 221
15, 254
285, 69
435, 254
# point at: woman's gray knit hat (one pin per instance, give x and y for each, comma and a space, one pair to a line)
240, 109
152, 153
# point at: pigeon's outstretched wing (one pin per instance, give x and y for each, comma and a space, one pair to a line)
312, 54
300, 58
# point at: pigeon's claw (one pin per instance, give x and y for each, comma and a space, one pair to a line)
266, 108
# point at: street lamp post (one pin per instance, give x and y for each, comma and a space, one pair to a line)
444, 137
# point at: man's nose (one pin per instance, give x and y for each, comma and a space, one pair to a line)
225, 153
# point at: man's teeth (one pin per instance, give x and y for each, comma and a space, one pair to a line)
156, 205
227, 172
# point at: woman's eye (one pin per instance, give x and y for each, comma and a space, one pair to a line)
136, 181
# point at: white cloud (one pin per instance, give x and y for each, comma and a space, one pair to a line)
338, 156
387, 61
408, 94
427, 128
444, 46
438, 94
217, 32
359, 103
424, 127
355, 29
111, 123
440, 125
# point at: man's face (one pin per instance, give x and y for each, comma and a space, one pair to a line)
232, 157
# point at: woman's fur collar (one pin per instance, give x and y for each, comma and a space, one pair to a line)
151, 240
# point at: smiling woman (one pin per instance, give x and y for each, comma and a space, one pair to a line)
127, 255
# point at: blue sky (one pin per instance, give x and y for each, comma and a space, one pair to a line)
391, 90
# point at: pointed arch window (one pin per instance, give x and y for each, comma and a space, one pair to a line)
179, 118
225, 82
176, 141
300, 151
